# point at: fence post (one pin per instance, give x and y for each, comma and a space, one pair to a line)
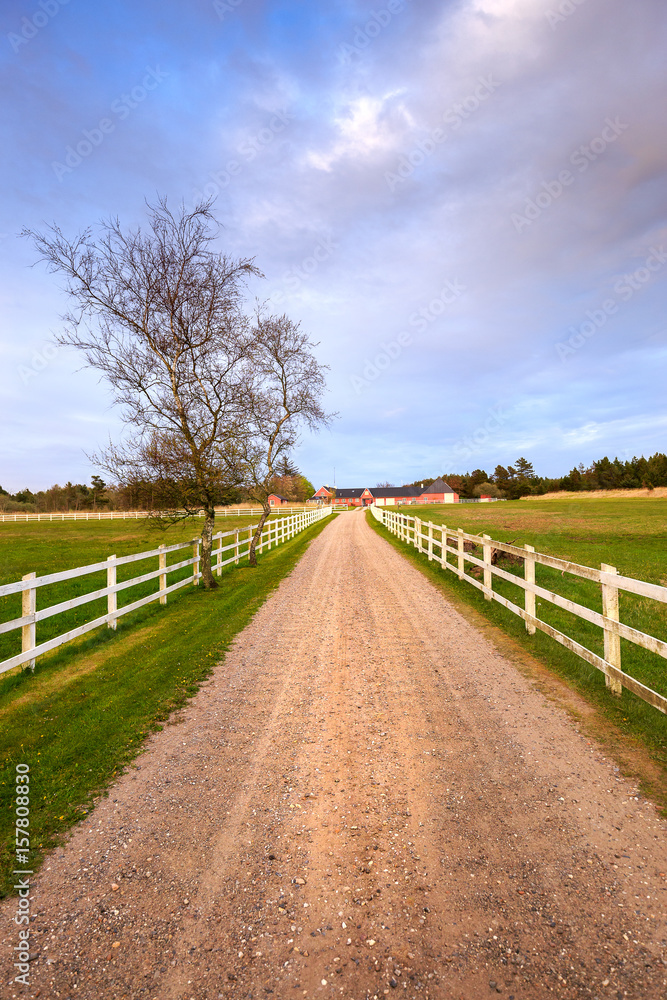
162, 564
488, 581
195, 565
443, 545
236, 547
418, 532
28, 607
460, 558
612, 641
430, 541
112, 599
529, 596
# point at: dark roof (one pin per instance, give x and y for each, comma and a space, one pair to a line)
280, 497
396, 491
438, 486
348, 493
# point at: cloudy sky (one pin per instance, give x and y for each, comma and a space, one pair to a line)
464, 201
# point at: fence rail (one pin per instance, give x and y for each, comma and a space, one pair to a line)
423, 535
274, 533
123, 515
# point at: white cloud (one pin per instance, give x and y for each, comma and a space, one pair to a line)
365, 126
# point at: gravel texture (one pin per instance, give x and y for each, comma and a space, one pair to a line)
365, 800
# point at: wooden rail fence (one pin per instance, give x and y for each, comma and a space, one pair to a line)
426, 537
274, 533
122, 515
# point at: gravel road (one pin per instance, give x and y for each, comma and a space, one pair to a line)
365, 800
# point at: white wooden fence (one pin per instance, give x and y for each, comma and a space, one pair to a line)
122, 515
237, 543
425, 536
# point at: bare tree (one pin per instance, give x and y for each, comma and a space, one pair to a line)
285, 394
158, 313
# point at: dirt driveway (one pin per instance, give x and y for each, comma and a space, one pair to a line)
365, 800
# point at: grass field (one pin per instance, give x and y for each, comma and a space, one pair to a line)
85, 712
628, 534
45, 547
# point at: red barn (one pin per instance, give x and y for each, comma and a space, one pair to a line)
388, 496
439, 492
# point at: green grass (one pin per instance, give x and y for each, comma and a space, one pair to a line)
628, 534
84, 713
46, 547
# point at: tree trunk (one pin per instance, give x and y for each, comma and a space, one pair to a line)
206, 546
252, 557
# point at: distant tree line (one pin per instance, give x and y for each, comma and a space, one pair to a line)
520, 480
289, 483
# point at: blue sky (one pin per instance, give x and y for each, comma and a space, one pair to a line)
464, 202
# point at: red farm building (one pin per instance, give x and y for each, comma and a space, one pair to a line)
390, 496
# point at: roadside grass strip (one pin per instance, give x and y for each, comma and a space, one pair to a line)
85, 712
637, 554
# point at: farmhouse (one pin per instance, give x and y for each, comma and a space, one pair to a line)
438, 492
276, 500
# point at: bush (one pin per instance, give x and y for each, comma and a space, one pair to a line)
487, 490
